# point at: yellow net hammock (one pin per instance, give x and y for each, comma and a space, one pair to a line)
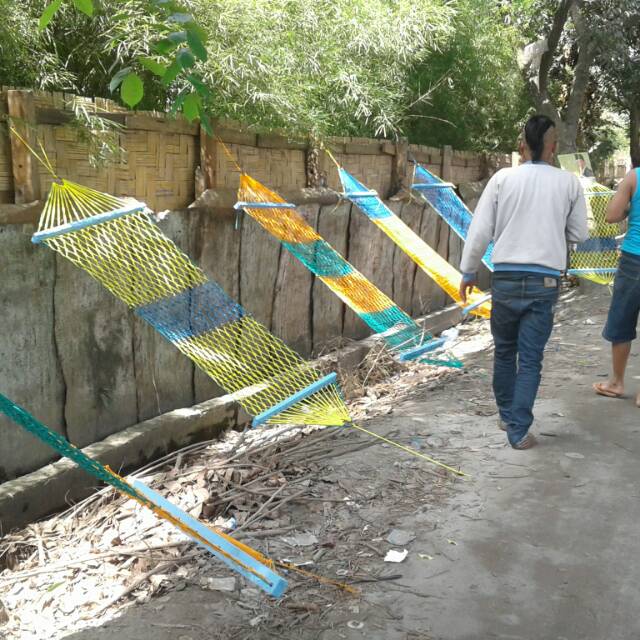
237, 556
118, 244
597, 258
428, 259
281, 219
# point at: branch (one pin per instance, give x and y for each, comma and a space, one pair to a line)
559, 20
583, 68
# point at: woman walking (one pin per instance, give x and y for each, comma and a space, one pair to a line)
620, 329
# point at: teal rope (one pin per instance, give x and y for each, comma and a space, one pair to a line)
54, 440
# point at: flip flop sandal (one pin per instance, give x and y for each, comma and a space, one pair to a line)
526, 443
597, 387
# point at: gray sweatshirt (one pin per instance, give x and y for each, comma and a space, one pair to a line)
530, 212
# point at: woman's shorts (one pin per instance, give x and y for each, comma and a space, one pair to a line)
625, 303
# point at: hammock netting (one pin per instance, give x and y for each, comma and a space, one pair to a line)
118, 244
597, 258
428, 259
236, 555
446, 203
382, 315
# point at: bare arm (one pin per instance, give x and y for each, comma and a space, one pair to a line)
618, 207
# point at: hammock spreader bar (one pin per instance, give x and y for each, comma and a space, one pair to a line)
238, 206
267, 579
285, 223
429, 260
581, 272
236, 555
433, 185
85, 223
468, 309
416, 352
332, 378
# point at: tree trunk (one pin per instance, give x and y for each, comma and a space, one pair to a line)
634, 132
566, 122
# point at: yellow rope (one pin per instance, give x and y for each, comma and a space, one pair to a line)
308, 574
44, 161
410, 450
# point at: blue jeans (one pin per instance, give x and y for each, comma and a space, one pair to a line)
521, 323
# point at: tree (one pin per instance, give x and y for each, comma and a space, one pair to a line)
470, 93
328, 67
562, 26
616, 25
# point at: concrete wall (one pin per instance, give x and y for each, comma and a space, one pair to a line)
82, 363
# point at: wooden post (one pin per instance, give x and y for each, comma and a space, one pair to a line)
446, 167
399, 167
484, 171
26, 179
208, 159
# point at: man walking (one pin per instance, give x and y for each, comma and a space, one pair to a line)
530, 212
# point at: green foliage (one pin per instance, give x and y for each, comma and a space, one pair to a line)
25, 59
471, 94
86, 6
439, 71
131, 89
48, 13
327, 67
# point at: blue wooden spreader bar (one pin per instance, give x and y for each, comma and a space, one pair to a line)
76, 225
296, 397
433, 185
263, 205
361, 194
475, 305
575, 272
264, 577
412, 354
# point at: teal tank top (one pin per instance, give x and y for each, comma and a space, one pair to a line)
631, 243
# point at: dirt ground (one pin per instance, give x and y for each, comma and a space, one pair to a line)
532, 545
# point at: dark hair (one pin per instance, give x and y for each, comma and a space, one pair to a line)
635, 161
534, 132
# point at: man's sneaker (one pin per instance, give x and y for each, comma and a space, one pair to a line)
526, 443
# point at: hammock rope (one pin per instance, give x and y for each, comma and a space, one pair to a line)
430, 261
597, 258
446, 203
118, 244
281, 219
236, 555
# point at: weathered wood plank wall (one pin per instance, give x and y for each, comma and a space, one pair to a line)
84, 364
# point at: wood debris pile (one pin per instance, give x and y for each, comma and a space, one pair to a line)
79, 568
68, 571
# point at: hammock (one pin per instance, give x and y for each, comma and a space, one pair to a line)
429, 260
381, 314
597, 258
237, 556
446, 203
117, 243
